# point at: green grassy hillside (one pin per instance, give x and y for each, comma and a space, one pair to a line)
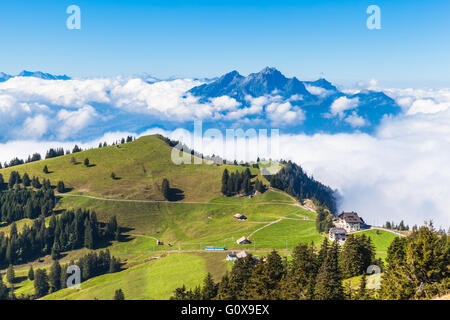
155, 279
200, 218
381, 240
140, 167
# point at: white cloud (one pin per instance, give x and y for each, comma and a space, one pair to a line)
356, 121
74, 121
35, 127
342, 104
225, 103
421, 100
284, 113
318, 91
70, 93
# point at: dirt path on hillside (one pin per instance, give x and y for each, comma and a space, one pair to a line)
182, 202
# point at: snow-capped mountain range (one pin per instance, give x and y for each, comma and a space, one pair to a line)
325, 108
36, 74
264, 99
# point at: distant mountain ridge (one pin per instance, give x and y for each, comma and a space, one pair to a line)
35, 74
326, 108
268, 81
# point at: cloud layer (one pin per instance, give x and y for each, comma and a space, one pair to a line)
400, 172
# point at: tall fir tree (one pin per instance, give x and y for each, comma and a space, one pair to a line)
329, 281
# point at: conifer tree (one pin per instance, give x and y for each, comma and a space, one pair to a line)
61, 187
322, 252
31, 273
240, 275
209, 290
45, 170
88, 236
119, 295
41, 285
55, 276
225, 177
329, 282
26, 180
224, 291
265, 281
300, 279
10, 274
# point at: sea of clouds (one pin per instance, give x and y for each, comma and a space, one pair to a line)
402, 171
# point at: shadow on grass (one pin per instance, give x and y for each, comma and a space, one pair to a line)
176, 194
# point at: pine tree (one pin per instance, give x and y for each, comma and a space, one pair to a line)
225, 177
224, 291
26, 180
10, 274
45, 170
88, 236
329, 282
56, 250
322, 252
41, 285
300, 279
240, 275
351, 259
61, 187
31, 273
118, 295
86, 162
55, 276
209, 290
265, 281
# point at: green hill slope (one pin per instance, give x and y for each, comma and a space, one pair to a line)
202, 217
140, 167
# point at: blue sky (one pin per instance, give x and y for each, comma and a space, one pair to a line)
166, 38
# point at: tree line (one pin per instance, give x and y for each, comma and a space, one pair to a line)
69, 231
417, 268
401, 226
91, 265
19, 204
308, 275
239, 182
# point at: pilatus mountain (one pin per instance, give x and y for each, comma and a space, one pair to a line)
360, 111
